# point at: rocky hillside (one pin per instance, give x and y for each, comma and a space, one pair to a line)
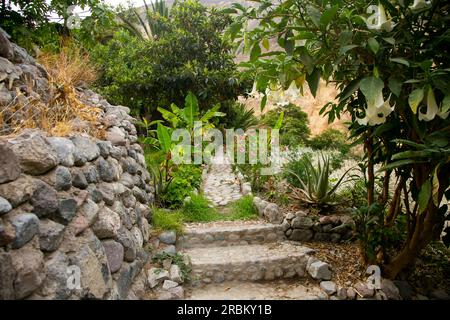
74, 210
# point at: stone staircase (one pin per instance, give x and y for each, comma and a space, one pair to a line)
234, 252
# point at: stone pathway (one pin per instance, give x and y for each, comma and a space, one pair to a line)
221, 185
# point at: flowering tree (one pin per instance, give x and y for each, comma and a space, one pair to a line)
391, 64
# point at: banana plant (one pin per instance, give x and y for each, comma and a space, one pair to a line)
315, 186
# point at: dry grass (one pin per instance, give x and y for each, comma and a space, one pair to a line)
59, 115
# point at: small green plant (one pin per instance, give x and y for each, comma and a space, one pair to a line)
239, 117
198, 209
315, 186
185, 179
167, 220
330, 139
355, 194
178, 259
243, 209
297, 165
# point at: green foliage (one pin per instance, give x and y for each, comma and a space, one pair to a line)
185, 179
167, 220
330, 139
295, 130
315, 186
178, 259
354, 194
198, 209
238, 117
298, 166
190, 56
243, 209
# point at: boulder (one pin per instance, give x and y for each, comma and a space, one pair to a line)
66, 211
301, 235
128, 241
6, 49
390, 289
85, 150
319, 270
363, 290
107, 224
329, 287
114, 254
18, 191
9, 164
7, 275
50, 235
301, 222
156, 275
175, 273
5, 206
63, 178
64, 150
44, 200
273, 213
116, 136
168, 284
34, 153
26, 226
168, 237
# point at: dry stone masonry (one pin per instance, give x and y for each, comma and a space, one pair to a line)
70, 204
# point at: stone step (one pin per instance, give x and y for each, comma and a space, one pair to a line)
283, 289
248, 262
230, 233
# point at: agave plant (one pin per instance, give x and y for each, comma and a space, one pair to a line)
315, 185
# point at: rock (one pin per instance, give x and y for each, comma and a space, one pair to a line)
64, 150
107, 224
405, 289
114, 253
341, 293
28, 263
44, 200
18, 191
67, 210
390, 289
7, 275
351, 294
95, 277
260, 205
328, 286
301, 222
34, 153
362, 290
439, 294
155, 276
85, 150
168, 237
63, 178
319, 270
335, 237
21, 55
105, 170
129, 244
301, 235
79, 180
145, 229
285, 225
170, 250
127, 180
26, 226
175, 273
7, 233
6, 49
137, 236
55, 284
9, 164
105, 148
273, 213
5, 206
168, 284
50, 235
321, 236
116, 136
91, 174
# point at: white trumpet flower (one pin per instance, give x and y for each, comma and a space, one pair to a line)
420, 4
432, 109
379, 15
376, 111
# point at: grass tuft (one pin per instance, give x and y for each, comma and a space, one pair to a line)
243, 209
198, 210
167, 220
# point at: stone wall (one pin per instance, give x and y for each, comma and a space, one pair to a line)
300, 226
70, 206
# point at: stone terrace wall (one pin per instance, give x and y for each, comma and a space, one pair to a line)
69, 204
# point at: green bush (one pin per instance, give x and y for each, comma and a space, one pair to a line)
185, 178
354, 194
167, 220
294, 130
238, 117
297, 166
330, 139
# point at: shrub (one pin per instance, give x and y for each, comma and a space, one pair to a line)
298, 167
330, 139
295, 130
167, 220
238, 117
185, 178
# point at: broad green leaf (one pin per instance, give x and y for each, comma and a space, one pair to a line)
234, 29
289, 43
255, 52
279, 122
265, 43
396, 164
314, 14
163, 137
435, 184
412, 154
371, 87
446, 104
313, 81
390, 40
328, 16
263, 103
401, 61
349, 90
415, 98
395, 86
349, 47
373, 45
191, 109
169, 116
424, 196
